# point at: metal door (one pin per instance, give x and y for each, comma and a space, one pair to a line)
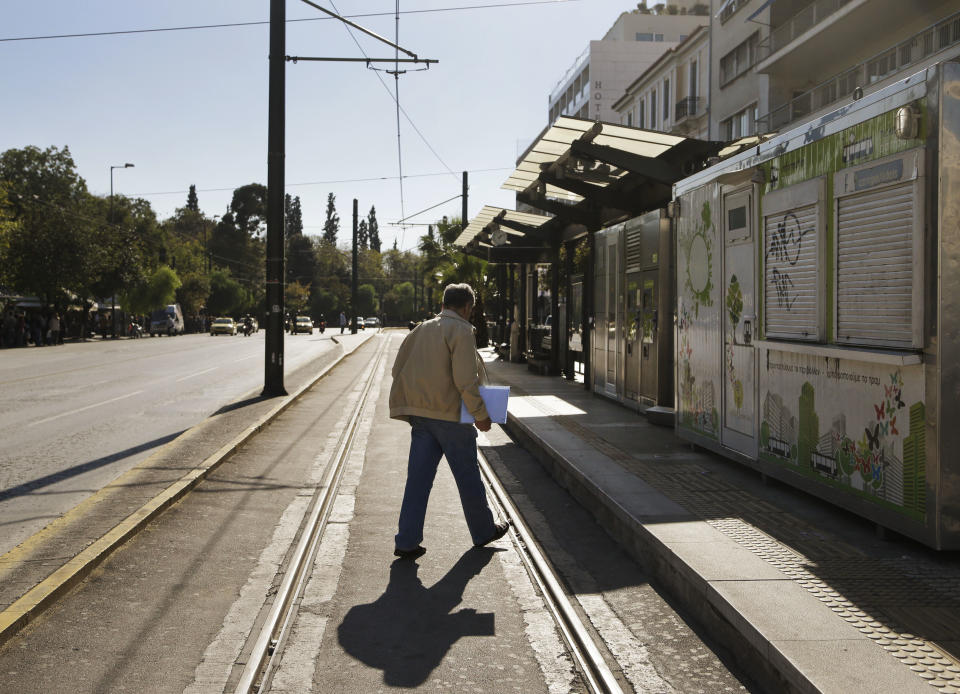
739, 425
648, 336
633, 321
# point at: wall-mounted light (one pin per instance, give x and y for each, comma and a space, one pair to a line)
907, 122
498, 237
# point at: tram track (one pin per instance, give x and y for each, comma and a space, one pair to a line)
270, 640
597, 675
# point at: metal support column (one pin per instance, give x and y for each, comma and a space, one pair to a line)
570, 248
523, 309
555, 333
587, 309
353, 280
276, 153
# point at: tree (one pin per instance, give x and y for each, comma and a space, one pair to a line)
366, 300
332, 224
373, 230
192, 203
301, 260
51, 241
293, 216
227, 296
363, 238
296, 296
397, 303
159, 290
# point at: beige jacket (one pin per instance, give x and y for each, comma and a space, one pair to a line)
437, 367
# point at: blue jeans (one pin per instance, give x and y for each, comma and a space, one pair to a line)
429, 440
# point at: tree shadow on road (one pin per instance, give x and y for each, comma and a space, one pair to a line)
408, 630
47, 480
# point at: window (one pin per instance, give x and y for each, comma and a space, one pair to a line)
739, 60
658, 37
693, 81
630, 118
644, 37
793, 234
653, 109
640, 121
880, 253
741, 124
666, 101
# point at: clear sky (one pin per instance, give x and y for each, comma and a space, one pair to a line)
190, 107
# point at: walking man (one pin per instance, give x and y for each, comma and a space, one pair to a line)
436, 368
343, 322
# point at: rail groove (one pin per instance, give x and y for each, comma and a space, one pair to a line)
260, 665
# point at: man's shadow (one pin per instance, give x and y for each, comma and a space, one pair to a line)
409, 629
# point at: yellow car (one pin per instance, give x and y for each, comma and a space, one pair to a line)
302, 324
223, 326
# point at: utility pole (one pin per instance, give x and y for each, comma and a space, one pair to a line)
463, 212
276, 152
353, 281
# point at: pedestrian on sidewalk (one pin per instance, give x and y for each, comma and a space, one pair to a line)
436, 368
53, 329
343, 322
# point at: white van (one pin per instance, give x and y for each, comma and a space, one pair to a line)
167, 321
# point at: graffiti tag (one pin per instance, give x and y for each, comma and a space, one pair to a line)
784, 288
787, 240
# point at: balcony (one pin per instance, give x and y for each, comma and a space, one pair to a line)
920, 48
799, 24
687, 107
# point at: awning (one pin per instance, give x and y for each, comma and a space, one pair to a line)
585, 175
552, 152
496, 226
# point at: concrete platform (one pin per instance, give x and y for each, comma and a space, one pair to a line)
806, 595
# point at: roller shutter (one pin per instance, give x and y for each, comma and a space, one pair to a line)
875, 266
791, 278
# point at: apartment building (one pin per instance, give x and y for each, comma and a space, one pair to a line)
672, 95
600, 74
739, 93
816, 55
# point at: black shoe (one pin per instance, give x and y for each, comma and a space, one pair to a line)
410, 553
499, 530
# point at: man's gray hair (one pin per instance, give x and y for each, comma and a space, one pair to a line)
458, 296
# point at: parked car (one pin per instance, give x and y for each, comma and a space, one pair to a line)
360, 325
223, 326
167, 321
302, 324
371, 322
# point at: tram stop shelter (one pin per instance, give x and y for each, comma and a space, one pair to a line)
578, 177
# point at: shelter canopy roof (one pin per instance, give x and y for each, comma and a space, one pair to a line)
508, 221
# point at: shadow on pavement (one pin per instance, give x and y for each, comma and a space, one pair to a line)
409, 629
47, 480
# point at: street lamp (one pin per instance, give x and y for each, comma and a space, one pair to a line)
113, 299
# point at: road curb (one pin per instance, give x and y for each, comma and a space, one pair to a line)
32, 603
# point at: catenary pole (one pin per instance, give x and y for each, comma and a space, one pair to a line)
273, 357
353, 280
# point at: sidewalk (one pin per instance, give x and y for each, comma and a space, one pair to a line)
806, 596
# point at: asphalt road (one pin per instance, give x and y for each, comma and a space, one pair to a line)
74, 417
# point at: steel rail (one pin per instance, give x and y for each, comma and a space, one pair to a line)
599, 678
258, 671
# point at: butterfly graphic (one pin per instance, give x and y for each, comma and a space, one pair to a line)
879, 410
893, 427
900, 403
873, 440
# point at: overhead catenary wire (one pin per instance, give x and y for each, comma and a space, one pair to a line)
372, 179
230, 25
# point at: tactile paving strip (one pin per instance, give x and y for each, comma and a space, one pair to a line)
886, 600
